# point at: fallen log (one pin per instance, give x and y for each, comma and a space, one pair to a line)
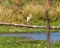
29, 26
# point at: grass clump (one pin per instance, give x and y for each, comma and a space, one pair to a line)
20, 42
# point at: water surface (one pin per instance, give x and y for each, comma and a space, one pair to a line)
37, 36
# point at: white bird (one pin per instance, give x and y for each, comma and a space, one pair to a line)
29, 18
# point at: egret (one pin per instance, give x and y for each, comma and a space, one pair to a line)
29, 18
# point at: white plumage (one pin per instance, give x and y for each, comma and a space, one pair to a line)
29, 18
